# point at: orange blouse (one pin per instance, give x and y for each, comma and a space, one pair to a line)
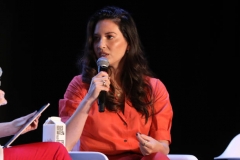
114, 133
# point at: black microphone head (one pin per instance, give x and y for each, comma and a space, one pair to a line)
102, 61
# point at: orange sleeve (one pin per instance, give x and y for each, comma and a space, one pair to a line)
162, 119
75, 92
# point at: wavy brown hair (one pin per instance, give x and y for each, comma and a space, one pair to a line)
134, 78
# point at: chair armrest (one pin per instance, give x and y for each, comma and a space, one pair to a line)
181, 157
86, 155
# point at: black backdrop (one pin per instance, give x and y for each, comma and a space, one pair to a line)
192, 47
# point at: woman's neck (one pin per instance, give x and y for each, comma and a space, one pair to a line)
115, 77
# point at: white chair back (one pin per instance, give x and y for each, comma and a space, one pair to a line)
233, 150
77, 146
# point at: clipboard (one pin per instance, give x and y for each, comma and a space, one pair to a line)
30, 120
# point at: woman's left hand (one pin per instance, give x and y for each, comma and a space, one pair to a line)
150, 145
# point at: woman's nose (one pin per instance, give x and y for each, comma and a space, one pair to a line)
101, 44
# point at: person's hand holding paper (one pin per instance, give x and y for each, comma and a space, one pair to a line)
19, 122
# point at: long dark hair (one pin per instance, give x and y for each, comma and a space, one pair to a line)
135, 78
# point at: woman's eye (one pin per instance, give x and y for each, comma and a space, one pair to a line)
109, 37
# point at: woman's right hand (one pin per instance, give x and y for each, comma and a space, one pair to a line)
100, 82
75, 124
3, 101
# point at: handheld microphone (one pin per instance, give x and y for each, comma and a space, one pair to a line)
102, 64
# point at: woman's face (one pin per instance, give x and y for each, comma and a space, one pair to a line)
109, 42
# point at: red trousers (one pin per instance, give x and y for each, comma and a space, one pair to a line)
131, 156
37, 151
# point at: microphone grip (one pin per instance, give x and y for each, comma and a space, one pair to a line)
102, 94
101, 101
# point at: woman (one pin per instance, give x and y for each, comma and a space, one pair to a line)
33, 151
138, 117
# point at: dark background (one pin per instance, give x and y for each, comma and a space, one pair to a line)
193, 47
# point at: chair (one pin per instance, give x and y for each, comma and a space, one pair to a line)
181, 157
232, 151
86, 155
75, 154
